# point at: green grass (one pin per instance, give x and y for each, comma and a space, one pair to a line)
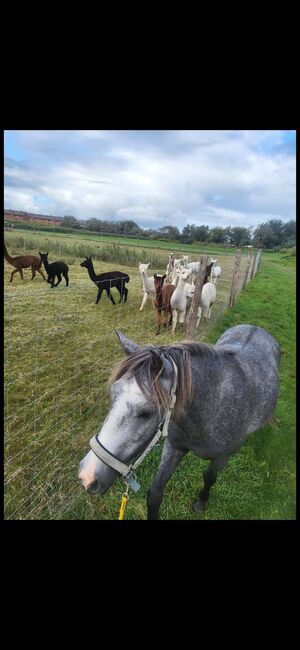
158, 245
59, 350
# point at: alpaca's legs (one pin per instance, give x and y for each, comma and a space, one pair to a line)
66, 279
125, 294
121, 291
58, 280
33, 272
144, 300
110, 296
182, 316
16, 271
174, 317
159, 321
198, 316
99, 295
42, 274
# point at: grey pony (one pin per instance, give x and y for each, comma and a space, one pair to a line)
235, 387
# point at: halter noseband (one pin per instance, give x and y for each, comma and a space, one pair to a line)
127, 471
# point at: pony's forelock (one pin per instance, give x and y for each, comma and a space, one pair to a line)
147, 366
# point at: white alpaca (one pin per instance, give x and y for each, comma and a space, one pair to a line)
179, 299
148, 285
170, 269
215, 271
193, 267
208, 297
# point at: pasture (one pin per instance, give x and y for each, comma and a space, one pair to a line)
59, 351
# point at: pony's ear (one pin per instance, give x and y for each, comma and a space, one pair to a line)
127, 345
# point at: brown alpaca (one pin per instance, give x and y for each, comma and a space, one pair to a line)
158, 302
163, 301
23, 262
167, 292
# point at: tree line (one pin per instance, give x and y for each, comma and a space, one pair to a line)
273, 234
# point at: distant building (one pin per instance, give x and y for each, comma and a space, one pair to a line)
29, 217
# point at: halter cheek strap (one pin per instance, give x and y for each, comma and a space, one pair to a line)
127, 470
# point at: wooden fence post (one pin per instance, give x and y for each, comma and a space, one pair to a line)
255, 266
246, 273
192, 315
235, 278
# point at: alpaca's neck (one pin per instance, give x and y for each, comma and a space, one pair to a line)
91, 272
181, 284
47, 266
7, 256
146, 281
159, 298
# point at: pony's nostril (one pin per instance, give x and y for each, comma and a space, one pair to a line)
92, 487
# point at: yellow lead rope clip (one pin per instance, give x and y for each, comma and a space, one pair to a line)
125, 498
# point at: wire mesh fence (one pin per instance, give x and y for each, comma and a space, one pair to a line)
59, 351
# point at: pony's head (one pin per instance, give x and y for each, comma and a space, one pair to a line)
140, 387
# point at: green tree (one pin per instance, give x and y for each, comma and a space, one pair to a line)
170, 232
218, 235
70, 222
239, 236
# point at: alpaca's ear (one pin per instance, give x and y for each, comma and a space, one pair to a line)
164, 276
155, 276
86, 258
40, 254
127, 345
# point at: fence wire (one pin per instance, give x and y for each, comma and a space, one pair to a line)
59, 352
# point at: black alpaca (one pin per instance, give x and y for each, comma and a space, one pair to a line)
55, 269
105, 281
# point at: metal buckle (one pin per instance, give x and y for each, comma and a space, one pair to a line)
130, 480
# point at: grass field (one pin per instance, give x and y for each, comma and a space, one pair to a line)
59, 350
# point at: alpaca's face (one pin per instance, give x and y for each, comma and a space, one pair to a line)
143, 267
86, 263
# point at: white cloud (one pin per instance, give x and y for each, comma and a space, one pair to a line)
178, 177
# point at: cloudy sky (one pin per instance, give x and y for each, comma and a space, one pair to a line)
155, 178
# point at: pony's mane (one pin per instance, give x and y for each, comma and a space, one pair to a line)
147, 365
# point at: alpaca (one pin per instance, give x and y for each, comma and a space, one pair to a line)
179, 299
208, 297
193, 267
105, 281
216, 271
148, 285
23, 262
170, 268
158, 283
167, 292
54, 269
